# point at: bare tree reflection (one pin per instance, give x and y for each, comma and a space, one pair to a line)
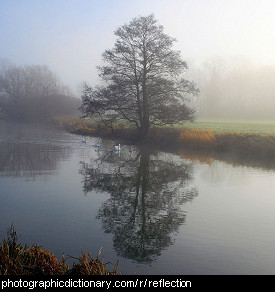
28, 150
147, 193
30, 160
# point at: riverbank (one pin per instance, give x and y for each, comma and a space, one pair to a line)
177, 139
16, 259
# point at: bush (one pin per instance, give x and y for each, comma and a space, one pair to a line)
16, 259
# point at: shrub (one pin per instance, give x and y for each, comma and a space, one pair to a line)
16, 259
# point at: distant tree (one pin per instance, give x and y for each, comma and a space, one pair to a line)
33, 93
143, 80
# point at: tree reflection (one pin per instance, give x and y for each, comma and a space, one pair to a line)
30, 160
147, 193
30, 150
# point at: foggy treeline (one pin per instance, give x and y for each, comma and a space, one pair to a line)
33, 92
235, 89
228, 90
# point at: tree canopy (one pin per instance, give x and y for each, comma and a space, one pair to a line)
143, 80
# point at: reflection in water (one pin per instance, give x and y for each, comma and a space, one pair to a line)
261, 160
145, 204
27, 152
198, 157
29, 160
147, 193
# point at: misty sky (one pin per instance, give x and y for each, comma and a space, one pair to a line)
70, 35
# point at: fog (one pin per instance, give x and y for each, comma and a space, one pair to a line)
229, 45
235, 89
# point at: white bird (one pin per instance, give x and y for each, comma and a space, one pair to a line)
117, 147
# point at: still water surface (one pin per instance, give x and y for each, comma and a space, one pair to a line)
154, 212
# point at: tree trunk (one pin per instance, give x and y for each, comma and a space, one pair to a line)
145, 107
144, 129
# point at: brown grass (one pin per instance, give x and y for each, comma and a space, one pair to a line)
197, 137
88, 265
16, 259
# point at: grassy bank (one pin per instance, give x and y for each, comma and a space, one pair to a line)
16, 259
178, 138
231, 126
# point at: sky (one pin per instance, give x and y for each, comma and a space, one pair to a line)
70, 35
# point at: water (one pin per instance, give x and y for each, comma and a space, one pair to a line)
153, 212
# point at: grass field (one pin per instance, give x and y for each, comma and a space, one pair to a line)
224, 126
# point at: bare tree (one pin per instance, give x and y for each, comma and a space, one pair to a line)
32, 92
143, 80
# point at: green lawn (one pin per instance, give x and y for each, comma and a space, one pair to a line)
217, 126
221, 126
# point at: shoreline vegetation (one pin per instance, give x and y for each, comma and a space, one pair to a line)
16, 259
248, 146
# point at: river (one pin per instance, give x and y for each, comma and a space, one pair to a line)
151, 212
